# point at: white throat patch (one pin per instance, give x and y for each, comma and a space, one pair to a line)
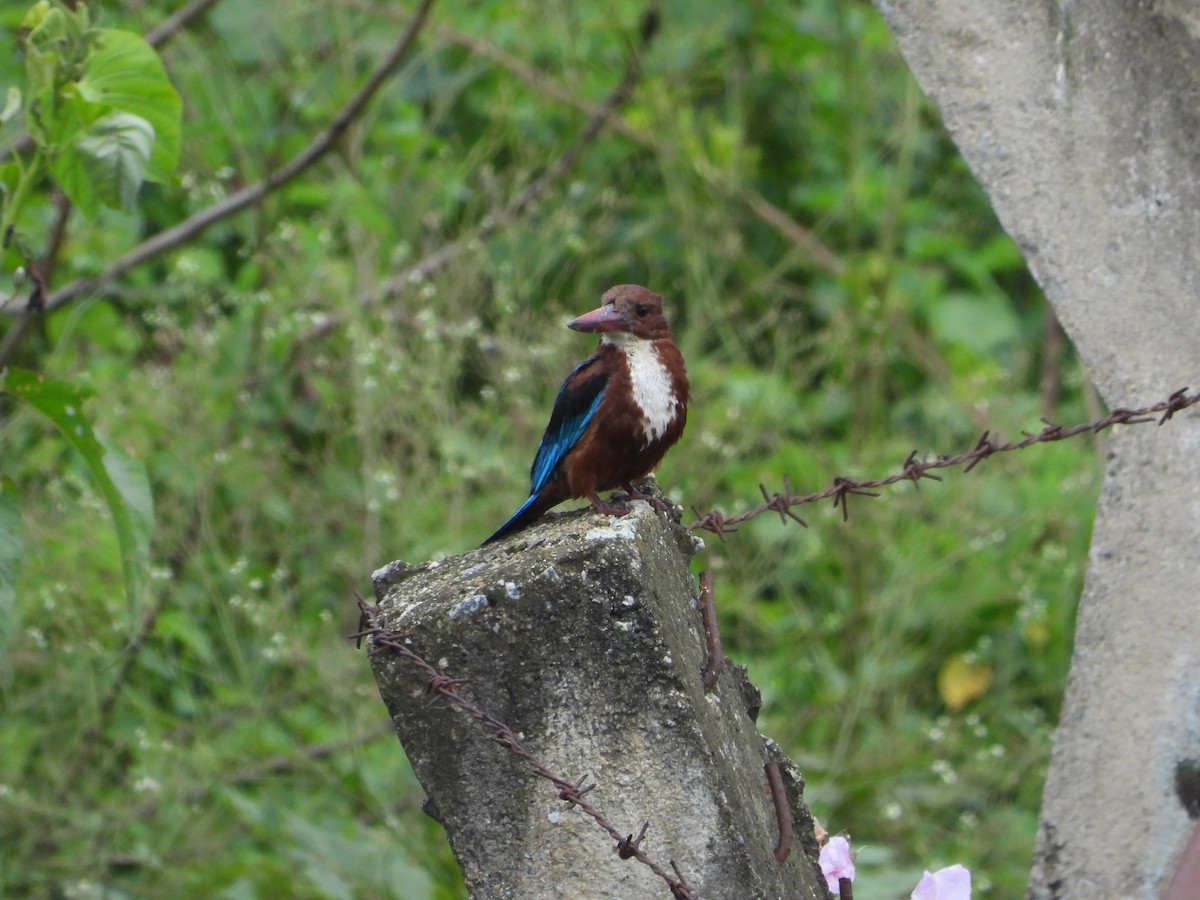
653, 391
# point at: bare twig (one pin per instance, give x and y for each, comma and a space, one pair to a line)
13, 336
93, 739
177, 21
824, 258
424, 268
804, 239
1049, 387
43, 275
602, 114
58, 235
248, 196
275, 765
917, 469
385, 640
286, 762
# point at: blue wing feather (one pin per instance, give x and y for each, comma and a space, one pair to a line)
577, 402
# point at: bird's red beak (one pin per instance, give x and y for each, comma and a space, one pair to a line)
605, 318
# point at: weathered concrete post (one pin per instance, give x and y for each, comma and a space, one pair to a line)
1082, 122
582, 634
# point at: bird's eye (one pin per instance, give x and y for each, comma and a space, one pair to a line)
642, 310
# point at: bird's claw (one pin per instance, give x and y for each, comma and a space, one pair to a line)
606, 508
632, 493
609, 509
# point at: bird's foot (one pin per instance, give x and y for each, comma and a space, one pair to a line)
606, 508
634, 494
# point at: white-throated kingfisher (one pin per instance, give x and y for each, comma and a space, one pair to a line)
617, 413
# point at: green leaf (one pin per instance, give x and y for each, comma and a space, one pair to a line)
107, 164
120, 478
123, 72
11, 546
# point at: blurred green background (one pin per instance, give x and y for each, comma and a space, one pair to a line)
843, 295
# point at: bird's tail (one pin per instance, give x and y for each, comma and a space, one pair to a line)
530, 510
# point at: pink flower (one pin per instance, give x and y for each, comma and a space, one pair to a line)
950, 883
836, 861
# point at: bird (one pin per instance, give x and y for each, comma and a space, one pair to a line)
616, 414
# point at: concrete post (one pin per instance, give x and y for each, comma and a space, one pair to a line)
1082, 122
583, 636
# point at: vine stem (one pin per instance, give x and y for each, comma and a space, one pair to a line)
30, 175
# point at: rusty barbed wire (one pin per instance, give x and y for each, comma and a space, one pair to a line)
915, 470
783, 811
383, 639
712, 634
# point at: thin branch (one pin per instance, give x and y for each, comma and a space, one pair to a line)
601, 115
822, 257
94, 739
13, 336
803, 238
915, 470
58, 236
1049, 375
287, 762
44, 276
248, 196
178, 21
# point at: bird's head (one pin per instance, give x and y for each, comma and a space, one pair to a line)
628, 308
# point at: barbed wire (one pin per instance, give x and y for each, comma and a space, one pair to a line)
383, 639
917, 469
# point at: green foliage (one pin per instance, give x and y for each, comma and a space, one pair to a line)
11, 549
123, 75
120, 478
299, 426
100, 109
